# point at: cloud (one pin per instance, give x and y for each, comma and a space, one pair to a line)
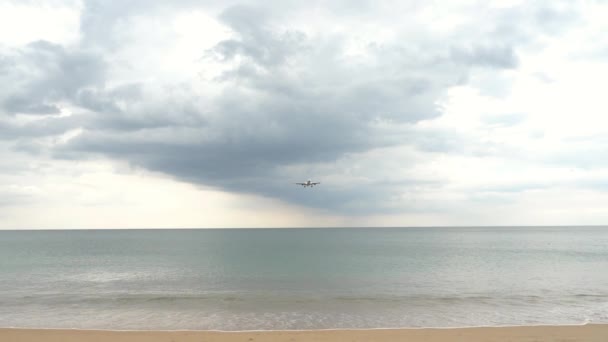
46, 74
492, 56
276, 109
286, 100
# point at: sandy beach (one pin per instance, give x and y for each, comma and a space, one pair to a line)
590, 332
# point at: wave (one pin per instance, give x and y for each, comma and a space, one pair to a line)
297, 299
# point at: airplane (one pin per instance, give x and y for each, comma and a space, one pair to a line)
308, 183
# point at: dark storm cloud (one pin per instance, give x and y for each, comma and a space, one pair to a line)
289, 99
46, 74
293, 100
252, 166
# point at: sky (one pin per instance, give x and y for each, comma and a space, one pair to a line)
203, 114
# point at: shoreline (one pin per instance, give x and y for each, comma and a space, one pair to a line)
312, 329
585, 332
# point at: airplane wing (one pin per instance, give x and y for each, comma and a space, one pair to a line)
301, 183
315, 183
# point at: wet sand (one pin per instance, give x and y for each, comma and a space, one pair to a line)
590, 332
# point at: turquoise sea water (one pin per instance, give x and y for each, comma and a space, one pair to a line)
303, 278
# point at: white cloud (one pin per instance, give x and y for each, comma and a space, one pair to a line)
24, 23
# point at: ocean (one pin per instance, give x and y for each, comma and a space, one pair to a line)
269, 279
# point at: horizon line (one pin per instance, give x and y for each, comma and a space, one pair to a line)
324, 227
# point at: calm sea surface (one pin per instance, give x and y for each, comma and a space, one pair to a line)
303, 278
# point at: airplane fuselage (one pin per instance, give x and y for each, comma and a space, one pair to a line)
308, 183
